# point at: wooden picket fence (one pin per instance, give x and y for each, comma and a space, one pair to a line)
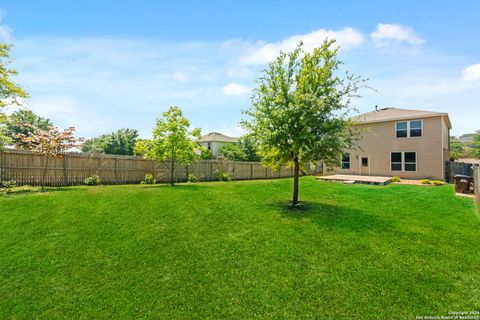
26, 168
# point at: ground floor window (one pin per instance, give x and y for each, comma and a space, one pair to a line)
346, 161
403, 161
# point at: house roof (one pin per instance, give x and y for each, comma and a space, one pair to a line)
218, 137
392, 114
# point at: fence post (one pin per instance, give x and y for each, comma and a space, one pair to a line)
251, 171
211, 170
116, 170
65, 170
186, 172
233, 170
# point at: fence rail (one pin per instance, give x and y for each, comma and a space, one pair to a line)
26, 168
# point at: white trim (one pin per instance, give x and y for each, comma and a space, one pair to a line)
408, 129
403, 161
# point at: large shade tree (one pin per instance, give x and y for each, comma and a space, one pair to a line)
10, 92
24, 122
298, 112
118, 142
172, 140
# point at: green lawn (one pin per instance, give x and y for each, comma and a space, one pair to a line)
234, 250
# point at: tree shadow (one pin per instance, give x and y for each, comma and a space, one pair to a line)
178, 186
24, 190
334, 216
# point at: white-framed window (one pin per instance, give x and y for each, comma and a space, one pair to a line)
209, 146
346, 161
403, 161
409, 129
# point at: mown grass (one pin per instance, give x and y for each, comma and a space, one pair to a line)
235, 250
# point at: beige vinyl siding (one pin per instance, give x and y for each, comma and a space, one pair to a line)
379, 140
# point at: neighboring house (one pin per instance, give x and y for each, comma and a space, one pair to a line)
214, 141
411, 144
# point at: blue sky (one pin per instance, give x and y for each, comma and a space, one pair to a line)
104, 65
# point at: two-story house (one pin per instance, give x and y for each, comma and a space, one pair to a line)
411, 144
214, 141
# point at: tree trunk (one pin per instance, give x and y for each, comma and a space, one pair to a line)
296, 172
172, 170
44, 173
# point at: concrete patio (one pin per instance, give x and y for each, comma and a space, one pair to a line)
347, 178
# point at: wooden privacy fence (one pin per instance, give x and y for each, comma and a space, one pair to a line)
454, 168
26, 168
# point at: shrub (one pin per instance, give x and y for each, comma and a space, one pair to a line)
93, 180
223, 175
438, 182
426, 181
7, 184
396, 179
148, 179
191, 178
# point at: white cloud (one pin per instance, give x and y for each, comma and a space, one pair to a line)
235, 89
264, 52
181, 77
5, 32
472, 73
393, 34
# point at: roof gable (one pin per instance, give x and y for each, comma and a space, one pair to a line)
392, 114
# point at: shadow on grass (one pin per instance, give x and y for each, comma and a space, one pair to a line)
24, 190
334, 216
178, 186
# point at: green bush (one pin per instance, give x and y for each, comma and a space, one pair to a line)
93, 180
396, 179
148, 179
7, 184
222, 175
191, 178
426, 181
438, 182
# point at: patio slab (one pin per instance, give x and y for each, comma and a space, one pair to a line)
347, 178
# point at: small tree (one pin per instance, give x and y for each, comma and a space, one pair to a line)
10, 92
51, 143
299, 110
230, 151
172, 140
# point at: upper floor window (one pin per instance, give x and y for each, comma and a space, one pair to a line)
209, 146
409, 129
346, 161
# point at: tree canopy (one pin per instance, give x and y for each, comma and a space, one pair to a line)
119, 142
298, 112
172, 140
232, 152
248, 145
10, 92
476, 144
16, 125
